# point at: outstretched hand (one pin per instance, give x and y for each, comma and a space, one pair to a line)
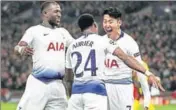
156, 83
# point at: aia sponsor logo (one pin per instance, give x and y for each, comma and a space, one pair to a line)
109, 63
55, 46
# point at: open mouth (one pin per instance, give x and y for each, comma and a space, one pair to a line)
108, 29
57, 21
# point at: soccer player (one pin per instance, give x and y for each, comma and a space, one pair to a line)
141, 83
118, 75
85, 58
46, 44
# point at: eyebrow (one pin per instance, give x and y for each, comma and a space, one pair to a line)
108, 20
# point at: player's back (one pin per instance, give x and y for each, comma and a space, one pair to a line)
87, 56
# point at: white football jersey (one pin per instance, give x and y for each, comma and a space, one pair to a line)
118, 72
86, 57
115, 67
49, 51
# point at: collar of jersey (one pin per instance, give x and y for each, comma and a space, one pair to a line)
85, 34
121, 35
48, 26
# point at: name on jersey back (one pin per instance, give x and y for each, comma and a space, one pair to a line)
83, 43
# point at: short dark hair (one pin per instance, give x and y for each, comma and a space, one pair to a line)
85, 20
113, 12
46, 4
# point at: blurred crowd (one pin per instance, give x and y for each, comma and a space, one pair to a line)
155, 34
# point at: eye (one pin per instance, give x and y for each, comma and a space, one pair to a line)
104, 21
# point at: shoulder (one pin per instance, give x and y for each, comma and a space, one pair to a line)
100, 39
129, 39
33, 28
74, 42
62, 30
96, 36
106, 36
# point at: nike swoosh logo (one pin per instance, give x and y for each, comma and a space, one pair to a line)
45, 34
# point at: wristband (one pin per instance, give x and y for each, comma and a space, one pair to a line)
148, 73
19, 49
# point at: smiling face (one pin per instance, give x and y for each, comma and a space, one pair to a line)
53, 14
111, 24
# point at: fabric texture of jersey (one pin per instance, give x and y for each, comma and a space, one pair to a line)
49, 51
115, 67
118, 73
86, 57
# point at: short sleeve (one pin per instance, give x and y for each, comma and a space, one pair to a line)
134, 49
28, 36
69, 38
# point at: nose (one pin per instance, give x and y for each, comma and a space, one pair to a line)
59, 15
106, 25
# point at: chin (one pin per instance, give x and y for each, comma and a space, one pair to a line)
58, 24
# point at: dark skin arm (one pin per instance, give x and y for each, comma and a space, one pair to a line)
69, 80
25, 49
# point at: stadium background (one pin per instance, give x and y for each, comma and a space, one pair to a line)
151, 24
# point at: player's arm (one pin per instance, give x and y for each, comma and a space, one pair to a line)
134, 50
130, 61
69, 80
145, 89
68, 73
134, 64
135, 81
23, 47
113, 48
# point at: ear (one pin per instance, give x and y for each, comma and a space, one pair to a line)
44, 12
120, 22
95, 25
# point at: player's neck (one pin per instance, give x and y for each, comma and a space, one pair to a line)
115, 35
88, 31
47, 24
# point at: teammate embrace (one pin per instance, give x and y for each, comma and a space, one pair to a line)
98, 69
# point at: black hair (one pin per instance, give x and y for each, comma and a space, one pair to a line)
113, 12
46, 4
85, 20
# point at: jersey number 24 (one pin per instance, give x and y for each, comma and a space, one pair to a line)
91, 58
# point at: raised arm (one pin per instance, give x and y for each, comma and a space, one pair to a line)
134, 64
